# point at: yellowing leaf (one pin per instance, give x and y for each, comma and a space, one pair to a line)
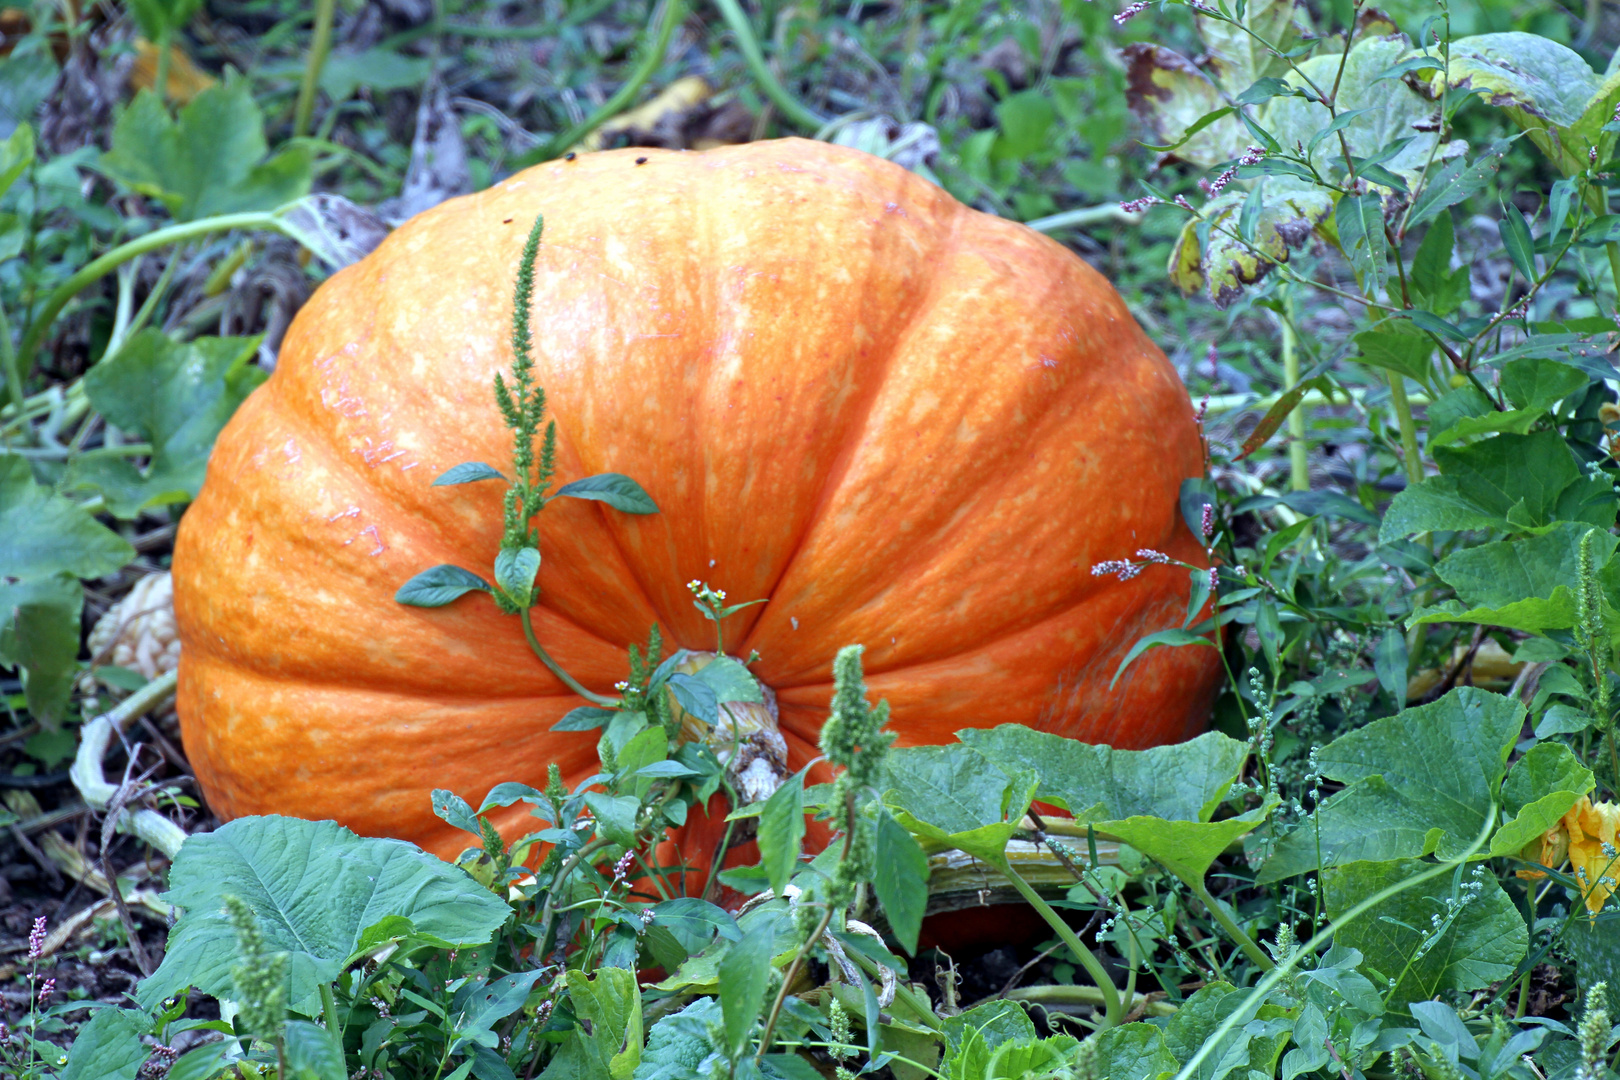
186, 80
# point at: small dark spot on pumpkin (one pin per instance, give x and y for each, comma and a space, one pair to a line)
641, 161
569, 156
506, 221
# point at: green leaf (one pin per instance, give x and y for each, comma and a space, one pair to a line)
378, 69
16, 154
1208, 256
1481, 946
211, 160
205, 1062
439, 585
1434, 504
781, 831
311, 1052
42, 534
615, 816
1390, 662
1435, 284
1172, 97
1528, 473
1540, 789
1535, 382
609, 1002
1396, 345
1253, 46
1158, 801
1455, 181
466, 473
1552, 94
694, 922
695, 696
900, 879
177, 397
515, 571
729, 680
745, 973
678, 1046
1360, 222
159, 18
1194, 1024
955, 797
618, 491
315, 887
454, 810
1134, 1052
1025, 120
1419, 782
1520, 584
1174, 637
584, 718
26, 79
39, 633
1517, 242
109, 1047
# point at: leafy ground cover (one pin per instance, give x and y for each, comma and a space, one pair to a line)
1378, 244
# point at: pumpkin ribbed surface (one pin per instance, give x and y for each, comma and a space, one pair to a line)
905, 423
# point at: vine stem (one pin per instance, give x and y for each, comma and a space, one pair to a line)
1085, 995
1403, 416
1277, 974
8, 364
1613, 250
1112, 1011
319, 47
94, 740
556, 669
748, 45
118, 256
1250, 949
1298, 465
674, 10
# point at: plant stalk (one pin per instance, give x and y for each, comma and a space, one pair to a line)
1298, 466
1086, 995
1403, 416
8, 364
556, 669
748, 45
319, 47
1250, 949
1112, 1011
160, 80
112, 260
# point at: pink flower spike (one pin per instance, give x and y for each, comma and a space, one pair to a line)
46, 991
1136, 206
36, 938
1130, 13
1209, 521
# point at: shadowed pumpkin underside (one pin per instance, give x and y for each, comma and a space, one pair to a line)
905, 423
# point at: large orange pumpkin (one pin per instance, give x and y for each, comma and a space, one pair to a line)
906, 423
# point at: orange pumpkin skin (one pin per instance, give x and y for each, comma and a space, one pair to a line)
905, 423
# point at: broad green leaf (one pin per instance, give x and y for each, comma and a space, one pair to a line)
109, 1047
953, 796
211, 160
159, 18
1214, 259
997, 1041
177, 396
781, 831
1435, 284
1535, 382
1158, 801
377, 69
1243, 52
678, 1046
1540, 789
1552, 94
454, 810
466, 473
1170, 94
694, 922
515, 571
1481, 946
311, 1052
1134, 1052
1505, 472
900, 879
700, 973
1434, 505
315, 888
615, 816
26, 79
1025, 120
745, 973
584, 718
1419, 782
42, 534
1396, 345
1391, 663
1195, 1022
1524, 584
39, 633
618, 491
729, 680
439, 585
996, 1022
607, 1046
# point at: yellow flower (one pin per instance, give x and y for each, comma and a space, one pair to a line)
1593, 850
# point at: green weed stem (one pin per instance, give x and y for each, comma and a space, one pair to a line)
1298, 466
1112, 1011
8, 364
98, 268
748, 45
320, 45
1086, 995
556, 669
1250, 949
1403, 417
1277, 974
